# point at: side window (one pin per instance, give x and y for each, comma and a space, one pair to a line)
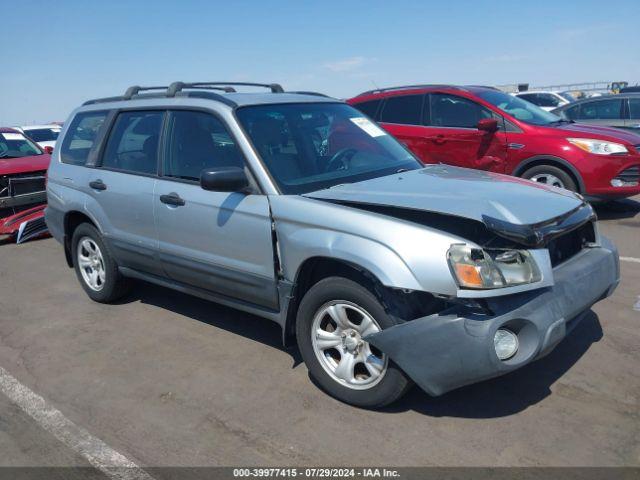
547, 100
405, 110
133, 143
80, 136
634, 108
571, 113
369, 108
453, 111
530, 97
601, 110
197, 141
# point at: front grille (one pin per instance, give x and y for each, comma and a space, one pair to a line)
566, 246
32, 229
630, 175
22, 184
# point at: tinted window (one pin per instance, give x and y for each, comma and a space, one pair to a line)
133, 143
197, 141
571, 113
405, 110
453, 111
530, 97
80, 137
15, 145
600, 109
634, 108
369, 108
42, 134
310, 146
547, 100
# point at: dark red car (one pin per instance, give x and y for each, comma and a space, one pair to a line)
484, 128
23, 169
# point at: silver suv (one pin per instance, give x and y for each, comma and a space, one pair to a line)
298, 208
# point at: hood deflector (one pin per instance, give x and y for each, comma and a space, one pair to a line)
484, 233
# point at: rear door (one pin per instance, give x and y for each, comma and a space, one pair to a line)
216, 241
401, 116
122, 185
454, 138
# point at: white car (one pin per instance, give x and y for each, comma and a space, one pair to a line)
43, 135
545, 99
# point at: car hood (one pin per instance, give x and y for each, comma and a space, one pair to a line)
461, 192
601, 133
35, 163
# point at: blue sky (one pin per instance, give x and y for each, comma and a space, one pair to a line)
59, 53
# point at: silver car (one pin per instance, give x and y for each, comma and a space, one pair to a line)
298, 208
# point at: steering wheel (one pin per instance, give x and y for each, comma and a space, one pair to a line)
340, 160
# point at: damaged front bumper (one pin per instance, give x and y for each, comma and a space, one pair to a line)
25, 225
450, 349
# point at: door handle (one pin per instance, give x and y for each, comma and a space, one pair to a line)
439, 139
97, 185
172, 199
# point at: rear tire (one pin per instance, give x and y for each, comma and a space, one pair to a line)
95, 267
551, 175
345, 366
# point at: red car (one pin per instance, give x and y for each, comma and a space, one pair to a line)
484, 128
23, 169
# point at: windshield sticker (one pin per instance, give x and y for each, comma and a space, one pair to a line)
368, 126
11, 136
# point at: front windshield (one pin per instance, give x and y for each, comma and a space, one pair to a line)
15, 145
42, 134
311, 146
518, 108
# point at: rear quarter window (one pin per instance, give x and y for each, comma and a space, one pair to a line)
81, 136
369, 108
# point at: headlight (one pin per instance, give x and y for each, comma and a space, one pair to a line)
599, 147
478, 268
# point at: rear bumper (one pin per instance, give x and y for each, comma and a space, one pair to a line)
445, 351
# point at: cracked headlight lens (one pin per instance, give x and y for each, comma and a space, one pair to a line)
478, 268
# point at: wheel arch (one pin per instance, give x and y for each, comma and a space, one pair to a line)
553, 161
72, 220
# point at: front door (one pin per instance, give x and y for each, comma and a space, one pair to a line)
217, 241
454, 138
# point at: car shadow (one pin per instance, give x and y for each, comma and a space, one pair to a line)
498, 397
511, 393
240, 323
617, 209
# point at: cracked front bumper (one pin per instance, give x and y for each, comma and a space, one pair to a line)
450, 349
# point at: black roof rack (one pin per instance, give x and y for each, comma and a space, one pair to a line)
408, 87
177, 87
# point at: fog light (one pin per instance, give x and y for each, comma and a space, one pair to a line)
616, 182
505, 343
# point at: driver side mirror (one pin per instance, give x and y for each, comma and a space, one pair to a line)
488, 125
48, 149
224, 179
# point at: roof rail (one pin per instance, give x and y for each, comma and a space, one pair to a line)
316, 94
134, 90
407, 87
176, 87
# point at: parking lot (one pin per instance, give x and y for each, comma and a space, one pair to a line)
166, 379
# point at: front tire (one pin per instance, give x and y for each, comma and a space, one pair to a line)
95, 267
334, 316
550, 175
